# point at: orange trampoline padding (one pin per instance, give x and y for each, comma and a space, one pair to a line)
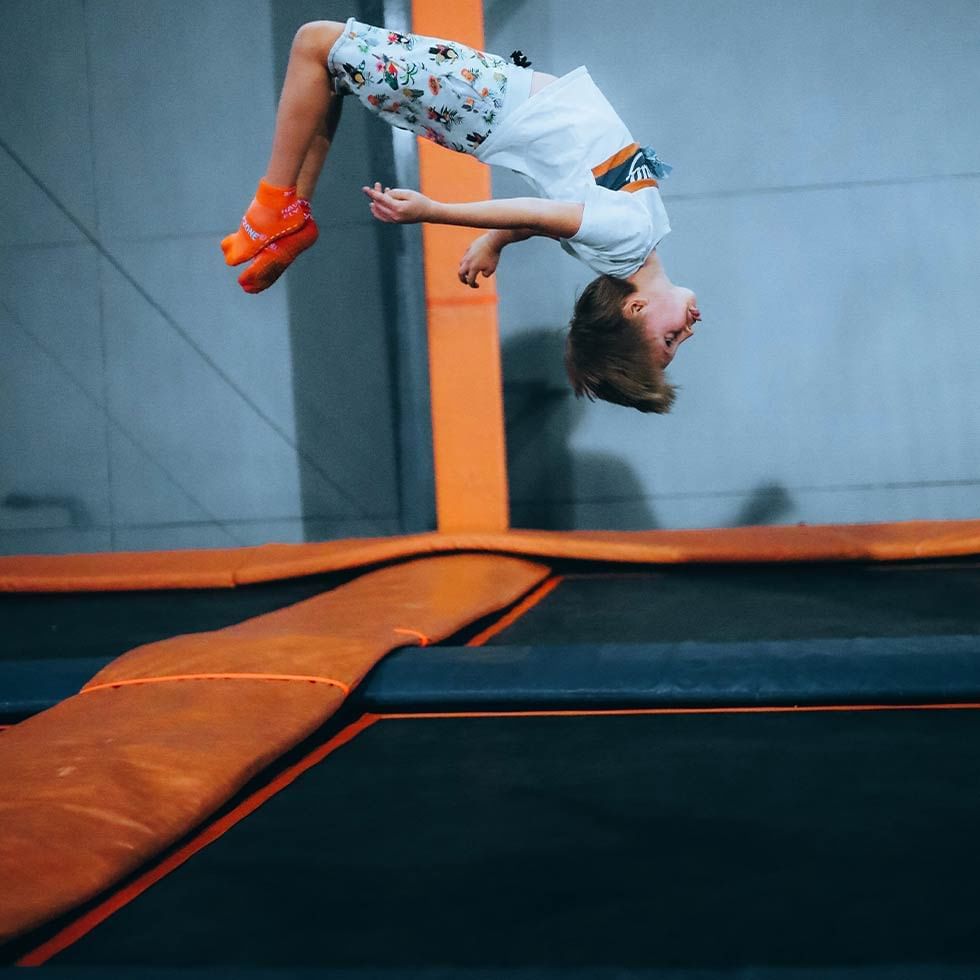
244, 566
469, 457
161, 738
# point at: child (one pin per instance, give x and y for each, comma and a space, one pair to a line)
598, 187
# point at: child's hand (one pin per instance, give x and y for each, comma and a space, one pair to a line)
398, 206
481, 257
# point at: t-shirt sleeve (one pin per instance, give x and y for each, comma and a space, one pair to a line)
616, 234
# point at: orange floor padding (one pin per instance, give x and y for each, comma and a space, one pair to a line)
266, 563
161, 738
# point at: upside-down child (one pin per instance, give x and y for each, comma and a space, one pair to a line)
598, 188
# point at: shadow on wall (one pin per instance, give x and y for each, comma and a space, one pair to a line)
44, 511
550, 480
768, 504
547, 476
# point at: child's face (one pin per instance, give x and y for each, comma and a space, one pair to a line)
669, 319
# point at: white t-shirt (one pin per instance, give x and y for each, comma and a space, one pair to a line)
570, 145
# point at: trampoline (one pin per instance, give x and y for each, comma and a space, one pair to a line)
685, 768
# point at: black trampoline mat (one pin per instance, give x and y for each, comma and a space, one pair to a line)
55, 625
755, 602
631, 605
687, 840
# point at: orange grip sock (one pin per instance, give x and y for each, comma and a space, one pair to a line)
275, 211
273, 260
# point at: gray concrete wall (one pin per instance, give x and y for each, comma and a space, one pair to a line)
147, 401
826, 210
825, 203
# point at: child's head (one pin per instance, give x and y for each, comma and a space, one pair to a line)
623, 335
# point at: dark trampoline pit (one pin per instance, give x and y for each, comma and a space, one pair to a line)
691, 840
703, 767
725, 603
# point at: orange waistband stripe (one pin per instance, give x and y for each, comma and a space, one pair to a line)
135, 682
615, 160
638, 185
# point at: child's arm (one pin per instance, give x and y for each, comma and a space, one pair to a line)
483, 255
499, 237
538, 216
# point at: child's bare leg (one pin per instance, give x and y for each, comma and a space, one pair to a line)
316, 153
305, 122
306, 100
276, 257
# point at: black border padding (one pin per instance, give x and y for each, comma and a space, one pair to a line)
825, 672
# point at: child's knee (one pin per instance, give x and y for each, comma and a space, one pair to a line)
316, 38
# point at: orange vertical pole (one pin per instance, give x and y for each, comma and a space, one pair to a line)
464, 346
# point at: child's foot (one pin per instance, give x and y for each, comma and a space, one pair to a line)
273, 260
275, 211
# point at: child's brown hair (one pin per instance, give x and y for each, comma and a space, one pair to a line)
609, 356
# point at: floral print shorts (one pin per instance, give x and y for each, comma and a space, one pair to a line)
441, 90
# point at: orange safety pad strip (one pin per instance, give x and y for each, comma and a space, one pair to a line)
96, 786
469, 454
85, 923
245, 566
